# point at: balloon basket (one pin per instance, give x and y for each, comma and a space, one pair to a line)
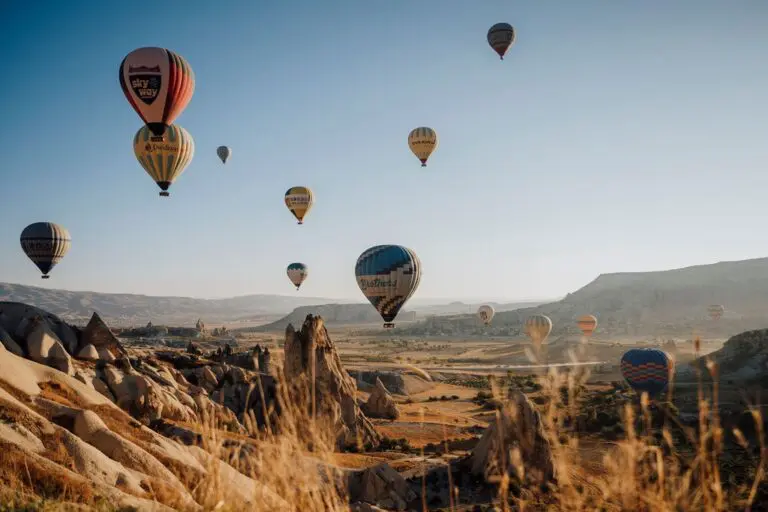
45, 277
389, 326
423, 164
165, 194
299, 223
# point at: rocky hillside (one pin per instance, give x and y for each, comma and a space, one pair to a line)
128, 310
641, 303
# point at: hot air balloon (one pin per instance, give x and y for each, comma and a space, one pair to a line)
158, 84
587, 324
715, 311
422, 141
165, 157
538, 327
501, 36
388, 276
485, 313
223, 152
647, 369
299, 200
45, 243
297, 273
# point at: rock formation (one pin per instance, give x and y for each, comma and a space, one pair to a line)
97, 333
744, 357
380, 403
265, 361
518, 426
310, 352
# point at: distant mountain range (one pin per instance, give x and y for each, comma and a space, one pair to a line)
670, 302
122, 309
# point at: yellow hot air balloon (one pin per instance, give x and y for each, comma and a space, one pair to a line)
587, 324
299, 200
165, 157
538, 327
422, 141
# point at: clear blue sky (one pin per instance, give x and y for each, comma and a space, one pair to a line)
615, 136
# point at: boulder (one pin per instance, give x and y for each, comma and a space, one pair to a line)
39, 343
380, 485
59, 358
97, 333
518, 426
335, 389
9, 343
88, 352
380, 403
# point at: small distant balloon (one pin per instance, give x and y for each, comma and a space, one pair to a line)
299, 201
647, 369
422, 141
716, 311
164, 157
587, 324
297, 273
158, 84
485, 313
224, 152
388, 275
538, 327
46, 244
501, 36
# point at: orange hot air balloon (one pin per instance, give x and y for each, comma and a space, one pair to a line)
538, 327
587, 324
158, 84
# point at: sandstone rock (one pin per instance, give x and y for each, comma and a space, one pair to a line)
59, 358
380, 403
9, 343
106, 355
380, 485
312, 351
208, 377
744, 357
88, 352
39, 343
364, 507
97, 333
518, 426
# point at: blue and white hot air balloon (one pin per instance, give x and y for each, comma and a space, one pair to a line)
647, 369
388, 276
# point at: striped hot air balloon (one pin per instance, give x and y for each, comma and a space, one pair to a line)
297, 273
165, 157
647, 370
485, 313
715, 311
299, 201
422, 141
158, 84
388, 275
500, 37
587, 324
45, 243
223, 153
538, 327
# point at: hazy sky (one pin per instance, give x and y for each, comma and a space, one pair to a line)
615, 136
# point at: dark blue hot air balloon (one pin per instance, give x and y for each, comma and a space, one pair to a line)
647, 369
388, 275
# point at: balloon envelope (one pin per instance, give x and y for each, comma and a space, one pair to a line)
297, 273
647, 369
45, 243
158, 84
587, 324
165, 157
388, 275
538, 327
715, 311
422, 141
299, 201
223, 152
501, 36
485, 313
